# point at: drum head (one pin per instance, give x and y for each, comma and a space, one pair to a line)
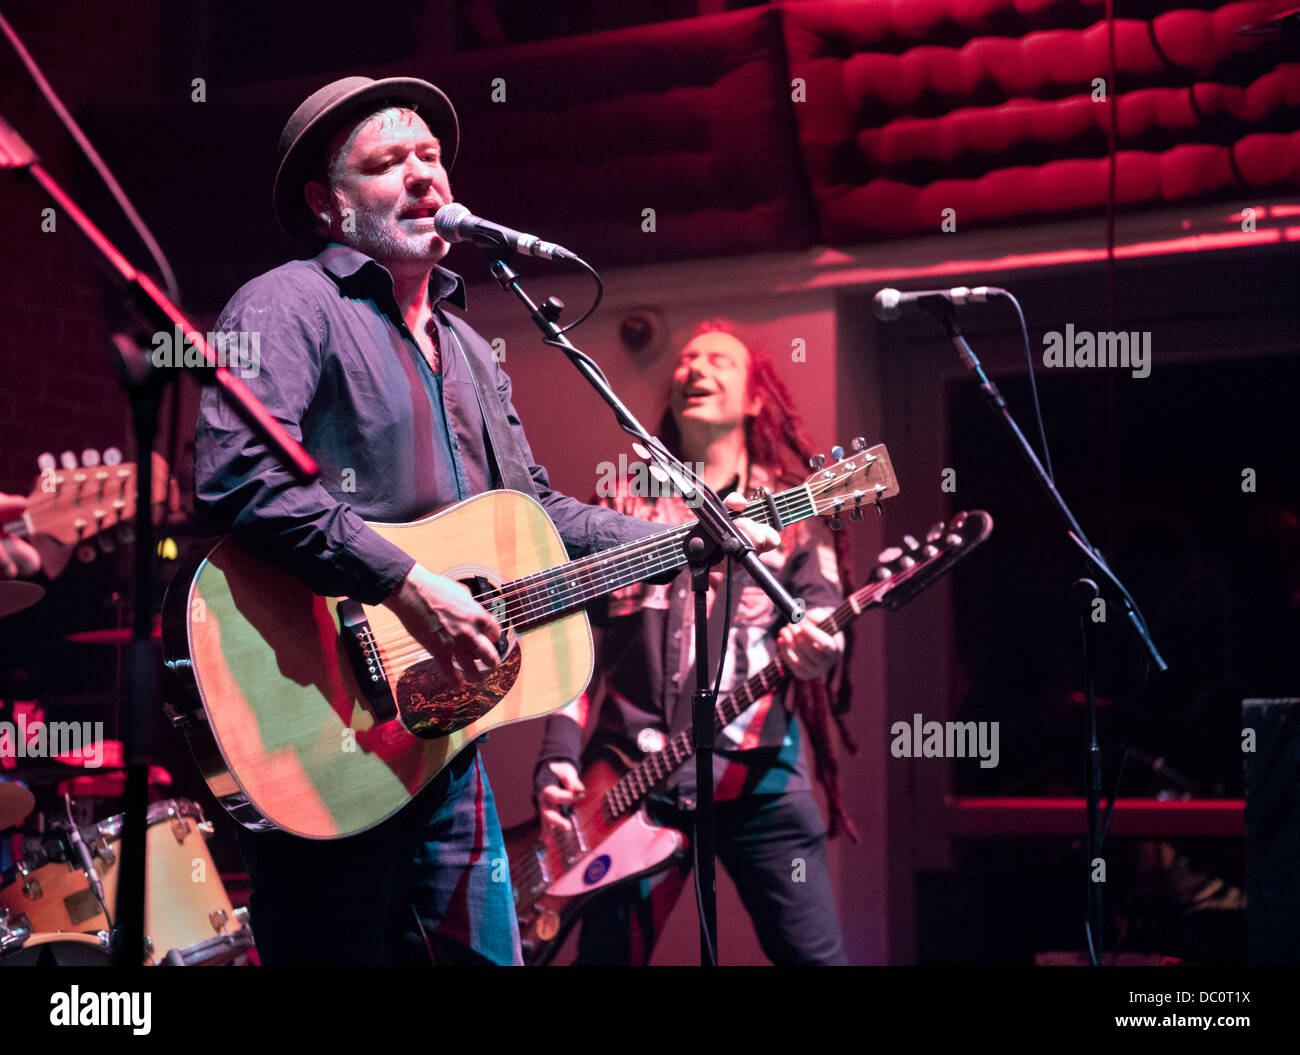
59, 950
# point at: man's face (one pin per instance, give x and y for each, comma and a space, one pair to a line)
388, 171
711, 381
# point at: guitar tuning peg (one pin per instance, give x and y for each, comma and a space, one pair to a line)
888, 556
837, 452
935, 533
859, 443
112, 456
816, 461
68, 460
89, 458
856, 514
46, 463
911, 543
837, 523
85, 553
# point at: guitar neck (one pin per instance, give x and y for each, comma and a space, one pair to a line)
653, 770
538, 598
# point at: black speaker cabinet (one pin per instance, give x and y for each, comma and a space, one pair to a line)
1272, 829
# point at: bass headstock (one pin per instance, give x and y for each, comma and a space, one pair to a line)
908, 569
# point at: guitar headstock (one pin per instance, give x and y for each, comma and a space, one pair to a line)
78, 500
906, 570
851, 485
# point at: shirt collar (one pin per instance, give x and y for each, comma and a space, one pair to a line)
346, 263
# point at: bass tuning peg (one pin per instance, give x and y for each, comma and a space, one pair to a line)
837, 452
816, 461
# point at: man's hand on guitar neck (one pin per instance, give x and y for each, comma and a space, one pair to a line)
762, 537
443, 616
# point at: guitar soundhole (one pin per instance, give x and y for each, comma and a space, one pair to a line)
429, 709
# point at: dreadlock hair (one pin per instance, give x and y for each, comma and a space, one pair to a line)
776, 440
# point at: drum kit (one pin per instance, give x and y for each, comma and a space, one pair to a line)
57, 899
59, 863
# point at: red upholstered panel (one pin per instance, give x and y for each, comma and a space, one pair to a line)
987, 107
691, 119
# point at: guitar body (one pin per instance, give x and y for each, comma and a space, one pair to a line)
289, 738
556, 877
323, 717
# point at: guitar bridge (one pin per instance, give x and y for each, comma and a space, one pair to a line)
367, 664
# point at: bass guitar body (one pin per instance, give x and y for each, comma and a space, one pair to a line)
555, 878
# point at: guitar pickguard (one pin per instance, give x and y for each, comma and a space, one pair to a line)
428, 710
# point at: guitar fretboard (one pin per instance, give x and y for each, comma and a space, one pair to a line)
538, 598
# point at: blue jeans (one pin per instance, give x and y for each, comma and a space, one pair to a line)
429, 885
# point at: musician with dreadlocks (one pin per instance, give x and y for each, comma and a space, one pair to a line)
730, 416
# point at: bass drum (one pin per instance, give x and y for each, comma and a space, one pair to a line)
60, 950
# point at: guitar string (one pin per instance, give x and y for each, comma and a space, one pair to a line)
519, 607
635, 784
522, 605
409, 652
841, 615
105, 491
590, 571
590, 578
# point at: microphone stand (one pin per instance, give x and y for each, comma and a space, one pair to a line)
144, 383
714, 537
1082, 594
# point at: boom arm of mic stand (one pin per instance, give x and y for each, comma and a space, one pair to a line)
150, 303
708, 508
1133, 616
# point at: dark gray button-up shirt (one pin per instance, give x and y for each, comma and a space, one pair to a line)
339, 369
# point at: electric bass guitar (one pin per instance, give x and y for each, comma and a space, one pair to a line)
322, 716
614, 840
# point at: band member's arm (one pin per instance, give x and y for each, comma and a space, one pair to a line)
241, 488
556, 777
813, 574
17, 558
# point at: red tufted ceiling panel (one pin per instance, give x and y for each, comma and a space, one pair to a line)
987, 107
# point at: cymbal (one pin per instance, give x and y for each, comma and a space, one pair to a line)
15, 596
116, 635
16, 802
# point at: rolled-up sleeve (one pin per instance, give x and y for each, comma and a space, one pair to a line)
240, 486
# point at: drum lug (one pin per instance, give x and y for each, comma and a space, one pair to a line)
218, 920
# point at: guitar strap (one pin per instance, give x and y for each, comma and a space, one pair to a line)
512, 469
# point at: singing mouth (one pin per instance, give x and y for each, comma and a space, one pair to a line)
424, 211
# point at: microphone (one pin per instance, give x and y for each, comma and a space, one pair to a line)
889, 304
455, 223
1285, 24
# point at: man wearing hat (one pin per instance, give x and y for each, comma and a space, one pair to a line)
406, 410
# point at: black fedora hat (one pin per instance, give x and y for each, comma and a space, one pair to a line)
320, 116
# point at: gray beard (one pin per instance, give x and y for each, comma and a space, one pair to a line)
377, 239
